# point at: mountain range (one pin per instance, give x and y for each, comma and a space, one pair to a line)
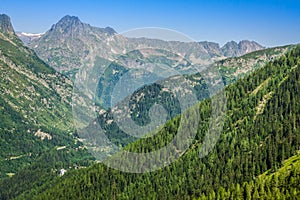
69, 43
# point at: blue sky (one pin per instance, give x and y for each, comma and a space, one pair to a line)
269, 22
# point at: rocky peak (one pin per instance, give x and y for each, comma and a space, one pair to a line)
68, 25
233, 49
230, 48
245, 46
68, 21
5, 24
72, 26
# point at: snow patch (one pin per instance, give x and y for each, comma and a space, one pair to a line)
32, 34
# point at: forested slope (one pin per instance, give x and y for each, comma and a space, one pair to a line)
35, 115
262, 129
282, 183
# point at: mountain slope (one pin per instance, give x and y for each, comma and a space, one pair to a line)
40, 171
230, 70
35, 105
261, 130
235, 68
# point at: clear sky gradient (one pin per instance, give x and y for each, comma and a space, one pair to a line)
269, 22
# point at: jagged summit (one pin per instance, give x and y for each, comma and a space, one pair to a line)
68, 25
234, 49
70, 18
71, 25
248, 46
5, 24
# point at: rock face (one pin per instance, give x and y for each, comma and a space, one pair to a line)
70, 43
5, 24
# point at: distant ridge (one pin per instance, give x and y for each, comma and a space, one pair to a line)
68, 43
233, 49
